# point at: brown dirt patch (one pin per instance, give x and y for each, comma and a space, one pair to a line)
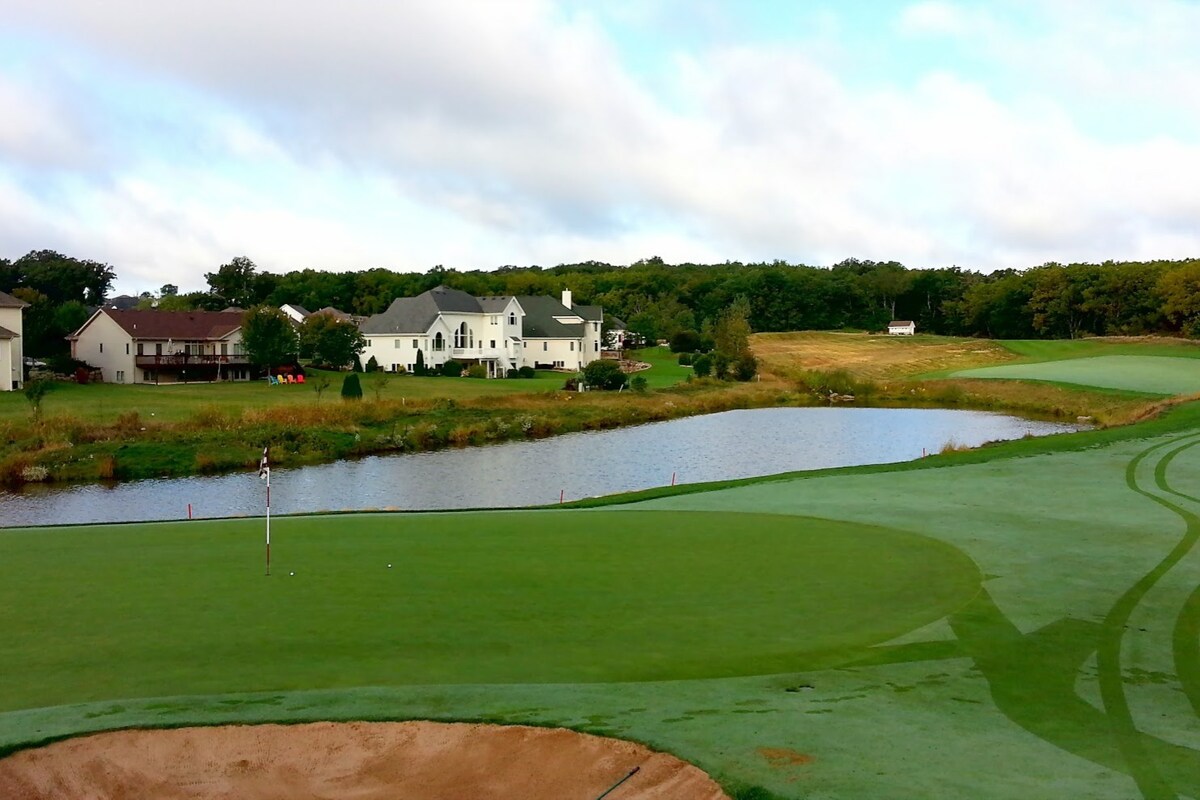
779, 757
363, 761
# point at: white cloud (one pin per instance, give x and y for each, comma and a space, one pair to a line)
478, 134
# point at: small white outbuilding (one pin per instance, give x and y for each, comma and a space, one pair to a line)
902, 327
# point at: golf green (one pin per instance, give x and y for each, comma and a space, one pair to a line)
1150, 374
524, 597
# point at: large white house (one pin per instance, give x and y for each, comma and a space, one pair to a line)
130, 346
501, 333
12, 328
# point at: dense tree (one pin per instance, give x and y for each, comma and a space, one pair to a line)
329, 341
731, 334
239, 284
268, 337
60, 278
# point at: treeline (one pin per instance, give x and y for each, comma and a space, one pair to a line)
658, 300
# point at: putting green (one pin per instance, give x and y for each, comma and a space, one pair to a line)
523, 597
1150, 374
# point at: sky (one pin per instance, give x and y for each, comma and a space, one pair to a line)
167, 138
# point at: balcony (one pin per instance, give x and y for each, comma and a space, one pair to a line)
182, 360
480, 353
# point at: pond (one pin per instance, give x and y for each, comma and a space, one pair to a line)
732, 444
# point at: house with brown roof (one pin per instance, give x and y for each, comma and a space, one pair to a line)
12, 353
131, 346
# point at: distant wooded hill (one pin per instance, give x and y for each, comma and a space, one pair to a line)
658, 300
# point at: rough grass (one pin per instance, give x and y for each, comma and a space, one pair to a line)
871, 356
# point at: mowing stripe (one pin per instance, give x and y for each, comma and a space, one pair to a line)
1143, 769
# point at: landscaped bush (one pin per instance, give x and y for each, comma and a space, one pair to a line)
372, 364
512, 373
603, 374
702, 366
351, 387
452, 369
527, 372
685, 359
638, 384
477, 371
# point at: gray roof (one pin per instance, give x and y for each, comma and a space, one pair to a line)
616, 323
8, 301
494, 304
416, 314
540, 322
299, 309
5, 333
590, 313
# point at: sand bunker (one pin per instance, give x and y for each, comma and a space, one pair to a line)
350, 761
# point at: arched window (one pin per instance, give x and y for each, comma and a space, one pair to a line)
460, 336
512, 318
438, 342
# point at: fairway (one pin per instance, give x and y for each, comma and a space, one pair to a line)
1150, 374
532, 597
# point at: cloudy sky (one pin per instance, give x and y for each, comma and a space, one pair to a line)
166, 138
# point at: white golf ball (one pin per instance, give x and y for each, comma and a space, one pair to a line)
291, 573
389, 566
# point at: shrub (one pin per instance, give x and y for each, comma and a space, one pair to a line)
512, 373
358, 367
372, 364
638, 384
452, 369
685, 342
685, 359
720, 365
745, 367
606, 375
527, 372
419, 364
401, 369
352, 387
477, 371
702, 366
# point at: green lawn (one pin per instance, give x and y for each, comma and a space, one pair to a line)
1139, 373
1056, 349
470, 598
178, 402
664, 367
1021, 621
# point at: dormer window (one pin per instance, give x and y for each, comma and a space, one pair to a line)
512, 318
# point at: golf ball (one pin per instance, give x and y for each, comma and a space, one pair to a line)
389, 566
291, 573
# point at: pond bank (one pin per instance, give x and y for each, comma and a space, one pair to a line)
214, 441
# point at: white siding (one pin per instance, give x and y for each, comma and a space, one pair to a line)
103, 343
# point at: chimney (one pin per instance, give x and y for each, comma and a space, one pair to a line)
566, 298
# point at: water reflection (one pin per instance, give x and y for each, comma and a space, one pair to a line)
733, 444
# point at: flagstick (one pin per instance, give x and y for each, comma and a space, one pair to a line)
268, 520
